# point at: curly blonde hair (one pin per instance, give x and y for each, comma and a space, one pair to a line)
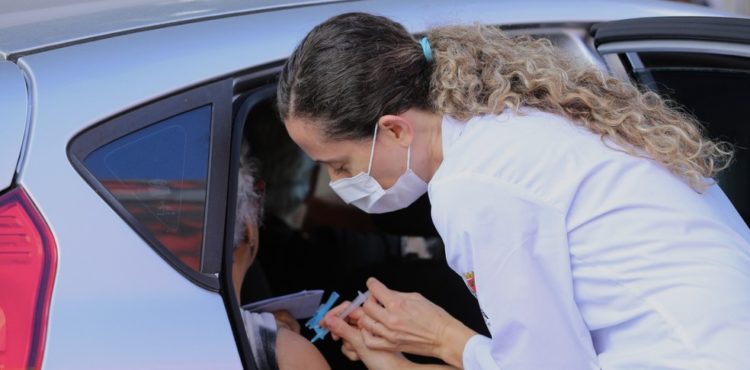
480, 69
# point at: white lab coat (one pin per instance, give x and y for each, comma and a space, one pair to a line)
584, 257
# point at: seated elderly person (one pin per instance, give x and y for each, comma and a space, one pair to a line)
275, 344
274, 338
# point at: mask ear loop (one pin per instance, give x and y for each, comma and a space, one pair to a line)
408, 159
372, 150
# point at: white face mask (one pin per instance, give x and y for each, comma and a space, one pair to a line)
365, 193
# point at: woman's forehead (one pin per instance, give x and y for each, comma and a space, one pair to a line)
314, 143
311, 139
304, 133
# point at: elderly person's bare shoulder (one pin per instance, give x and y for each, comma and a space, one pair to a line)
295, 352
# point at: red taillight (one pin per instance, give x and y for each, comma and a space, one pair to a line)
28, 258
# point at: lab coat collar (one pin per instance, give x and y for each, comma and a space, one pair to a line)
451, 130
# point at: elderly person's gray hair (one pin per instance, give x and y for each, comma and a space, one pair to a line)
249, 205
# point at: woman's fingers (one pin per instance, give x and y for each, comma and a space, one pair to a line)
351, 319
333, 312
377, 343
352, 337
355, 315
348, 350
373, 309
341, 329
340, 307
377, 328
380, 291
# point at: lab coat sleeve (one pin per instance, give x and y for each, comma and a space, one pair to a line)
516, 244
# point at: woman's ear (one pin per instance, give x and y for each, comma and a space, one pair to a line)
396, 128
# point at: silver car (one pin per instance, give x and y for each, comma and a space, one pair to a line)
119, 147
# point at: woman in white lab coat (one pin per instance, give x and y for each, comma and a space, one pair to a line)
580, 211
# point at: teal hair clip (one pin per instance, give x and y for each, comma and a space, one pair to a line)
426, 49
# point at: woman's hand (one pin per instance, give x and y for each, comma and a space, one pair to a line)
408, 322
354, 347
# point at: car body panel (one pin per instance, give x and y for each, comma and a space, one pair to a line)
117, 303
14, 108
29, 25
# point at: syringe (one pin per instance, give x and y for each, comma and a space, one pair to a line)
356, 303
314, 322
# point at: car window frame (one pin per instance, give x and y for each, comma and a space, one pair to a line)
676, 34
218, 95
252, 88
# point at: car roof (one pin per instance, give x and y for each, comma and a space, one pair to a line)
36, 25
43, 24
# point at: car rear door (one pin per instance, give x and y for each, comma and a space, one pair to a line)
127, 162
703, 64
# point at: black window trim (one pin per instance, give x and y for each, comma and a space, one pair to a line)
217, 94
695, 28
675, 46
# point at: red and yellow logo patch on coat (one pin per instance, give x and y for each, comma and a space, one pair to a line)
469, 279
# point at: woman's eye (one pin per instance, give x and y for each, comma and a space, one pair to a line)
339, 170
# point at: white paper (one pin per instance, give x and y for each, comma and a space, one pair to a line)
301, 305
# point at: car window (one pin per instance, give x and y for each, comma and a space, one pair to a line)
715, 89
159, 175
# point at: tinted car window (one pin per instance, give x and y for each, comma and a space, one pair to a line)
159, 175
715, 89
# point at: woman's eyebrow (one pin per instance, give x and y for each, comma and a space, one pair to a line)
330, 161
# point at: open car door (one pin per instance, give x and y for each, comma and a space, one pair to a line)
703, 64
